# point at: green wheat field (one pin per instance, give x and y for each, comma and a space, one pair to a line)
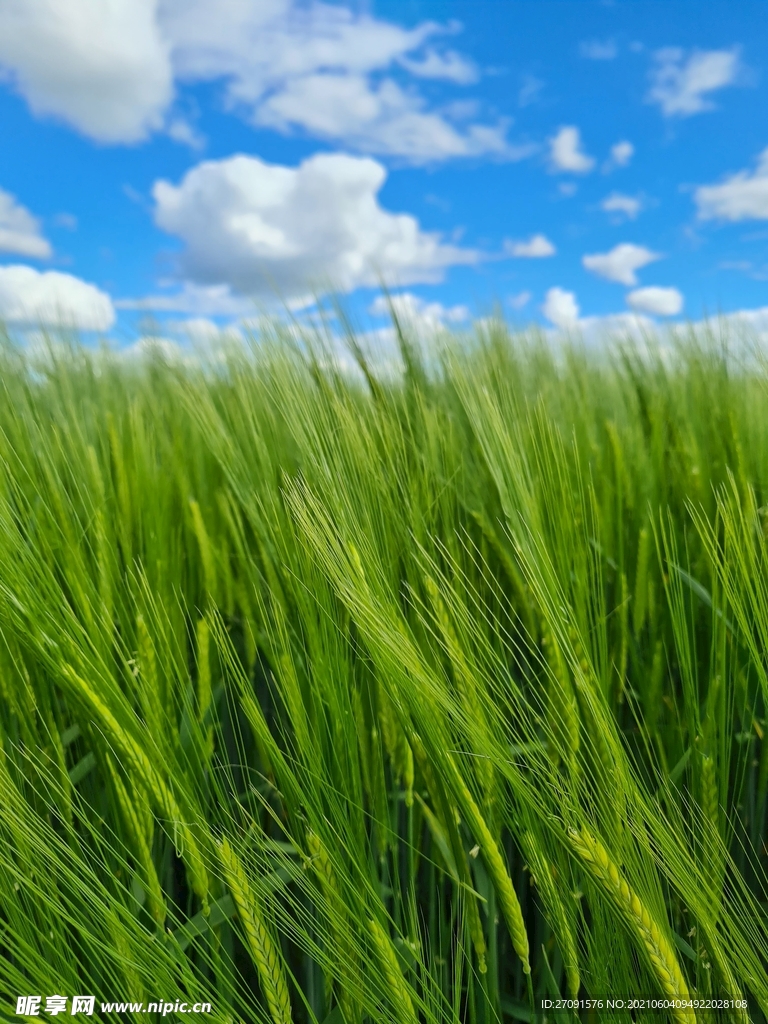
330, 693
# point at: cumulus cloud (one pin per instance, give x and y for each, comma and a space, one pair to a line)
108, 69
449, 66
597, 329
153, 347
621, 206
657, 301
620, 155
681, 85
621, 263
537, 247
742, 196
757, 319
561, 308
194, 300
595, 49
202, 331
566, 152
418, 313
104, 68
256, 46
180, 130
19, 230
380, 118
52, 299
745, 329
750, 323
326, 69
265, 228
420, 318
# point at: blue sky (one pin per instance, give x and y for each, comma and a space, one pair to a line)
580, 163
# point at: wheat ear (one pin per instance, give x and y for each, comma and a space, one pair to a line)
563, 707
321, 863
494, 862
660, 953
543, 877
142, 848
166, 801
710, 807
399, 992
260, 942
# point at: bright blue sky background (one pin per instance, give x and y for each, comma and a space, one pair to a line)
463, 150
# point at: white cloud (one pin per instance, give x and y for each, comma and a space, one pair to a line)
422, 320
192, 353
742, 196
681, 86
597, 329
265, 228
257, 46
103, 67
380, 118
596, 49
566, 152
417, 313
152, 347
322, 68
657, 301
520, 300
742, 265
536, 247
621, 154
449, 66
621, 205
529, 90
19, 230
745, 329
193, 299
756, 318
66, 220
753, 322
180, 130
108, 69
52, 299
620, 263
561, 308
202, 331
192, 343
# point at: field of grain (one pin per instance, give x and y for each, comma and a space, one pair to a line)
332, 696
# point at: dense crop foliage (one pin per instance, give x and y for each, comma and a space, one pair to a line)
331, 696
